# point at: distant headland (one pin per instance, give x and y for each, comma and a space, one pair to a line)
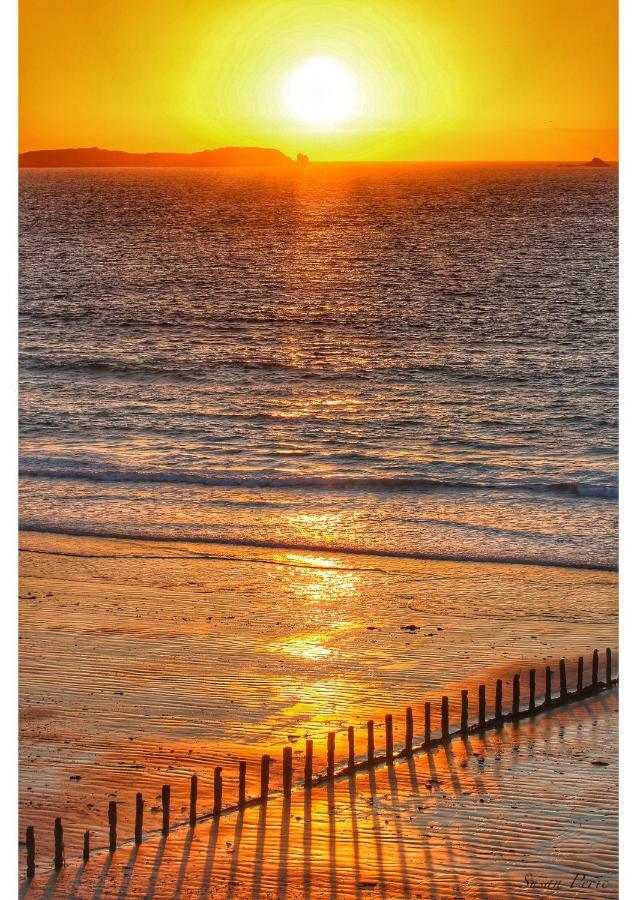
96, 157
594, 163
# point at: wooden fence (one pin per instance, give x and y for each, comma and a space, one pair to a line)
412, 744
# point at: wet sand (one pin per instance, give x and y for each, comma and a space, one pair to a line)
510, 813
142, 663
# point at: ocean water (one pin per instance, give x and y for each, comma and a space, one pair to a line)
401, 359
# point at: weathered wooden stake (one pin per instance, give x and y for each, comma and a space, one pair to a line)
309, 763
531, 689
351, 752
370, 742
515, 704
547, 691
287, 771
444, 718
165, 809
498, 700
427, 724
30, 852
409, 729
389, 737
112, 826
243, 768
58, 836
217, 792
331, 752
265, 776
86, 849
580, 675
193, 801
563, 684
139, 818
482, 705
464, 715
609, 668
595, 673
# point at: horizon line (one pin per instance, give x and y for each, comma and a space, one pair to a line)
321, 161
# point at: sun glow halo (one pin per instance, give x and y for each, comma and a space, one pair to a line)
321, 91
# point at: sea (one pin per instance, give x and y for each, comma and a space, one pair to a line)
395, 359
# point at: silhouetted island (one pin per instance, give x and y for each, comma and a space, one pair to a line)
95, 156
594, 163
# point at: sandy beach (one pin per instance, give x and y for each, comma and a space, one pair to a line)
142, 663
529, 810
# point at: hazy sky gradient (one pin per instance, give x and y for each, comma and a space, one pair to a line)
460, 79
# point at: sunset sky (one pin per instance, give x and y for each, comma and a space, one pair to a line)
406, 79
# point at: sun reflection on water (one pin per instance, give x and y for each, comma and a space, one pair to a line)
320, 581
311, 646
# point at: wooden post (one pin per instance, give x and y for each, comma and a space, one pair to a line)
609, 668
30, 852
595, 674
193, 801
243, 768
409, 729
531, 689
370, 742
563, 684
309, 755
351, 751
287, 771
547, 691
482, 705
112, 826
515, 704
580, 675
444, 718
498, 700
265, 777
427, 724
165, 809
86, 850
464, 715
217, 792
389, 737
58, 837
331, 748
139, 818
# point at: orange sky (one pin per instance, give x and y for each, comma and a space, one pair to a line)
435, 79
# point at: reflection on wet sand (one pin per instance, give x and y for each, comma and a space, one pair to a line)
195, 656
477, 818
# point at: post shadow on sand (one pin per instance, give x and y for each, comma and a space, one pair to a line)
154, 875
351, 790
183, 866
452, 768
258, 850
99, 887
307, 844
376, 828
430, 756
415, 788
211, 850
331, 831
284, 845
400, 843
236, 850
129, 871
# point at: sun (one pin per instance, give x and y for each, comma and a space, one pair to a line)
321, 91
